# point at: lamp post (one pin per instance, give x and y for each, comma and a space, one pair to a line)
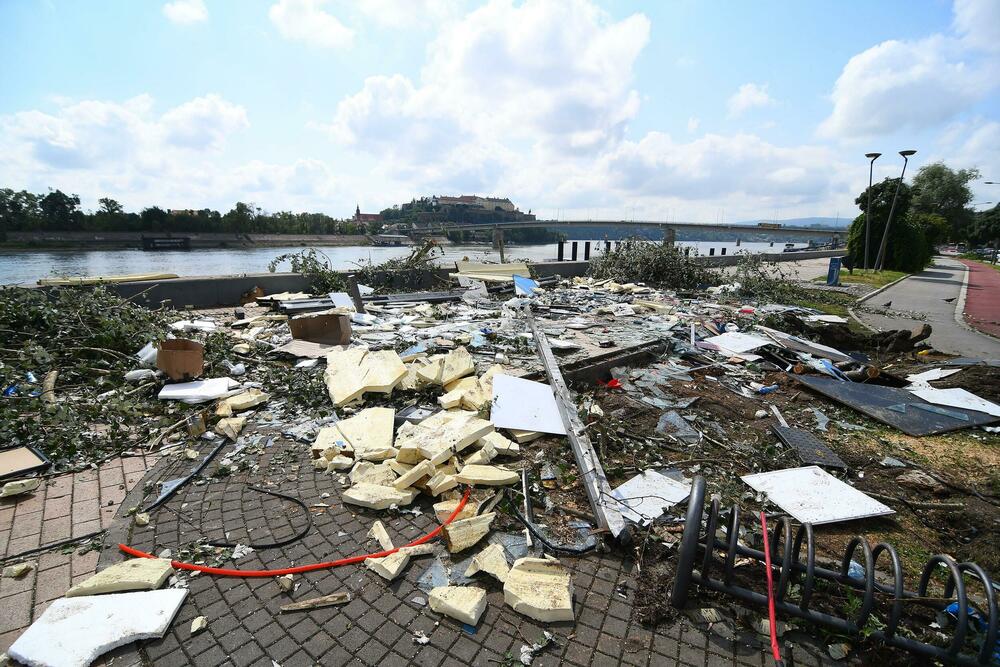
880, 260
868, 208
996, 242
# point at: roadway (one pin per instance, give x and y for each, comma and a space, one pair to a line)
738, 231
935, 293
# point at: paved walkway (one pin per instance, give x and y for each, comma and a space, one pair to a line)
982, 301
380, 624
934, 294
64, 506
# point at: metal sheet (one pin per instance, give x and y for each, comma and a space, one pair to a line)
877, 402
812, 450
812, 495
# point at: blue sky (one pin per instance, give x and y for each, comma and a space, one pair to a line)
674, 110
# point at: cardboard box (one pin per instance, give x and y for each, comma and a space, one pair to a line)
181, 359
324, 328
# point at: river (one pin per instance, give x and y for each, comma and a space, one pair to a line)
26, 267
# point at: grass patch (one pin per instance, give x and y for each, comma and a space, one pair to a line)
860, 277
995, 267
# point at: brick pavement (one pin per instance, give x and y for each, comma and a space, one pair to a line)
982, 300
64, 506
379, 624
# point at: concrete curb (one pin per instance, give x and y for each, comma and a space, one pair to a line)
960, 302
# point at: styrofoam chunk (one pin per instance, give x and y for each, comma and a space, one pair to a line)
484, 475
130, 575
491, 560
74, 632
377, 497
463, 603
541, 589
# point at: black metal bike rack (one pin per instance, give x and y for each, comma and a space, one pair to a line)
791, 568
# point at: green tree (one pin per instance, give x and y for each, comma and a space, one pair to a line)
882, 194
110, 207
943, 191
241, 218
60, 211
935, 227
986, 226
19, 211
154, 219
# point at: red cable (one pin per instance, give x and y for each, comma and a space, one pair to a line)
225, 572
775, 649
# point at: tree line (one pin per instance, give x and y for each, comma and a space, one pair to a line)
935, 208
61, 212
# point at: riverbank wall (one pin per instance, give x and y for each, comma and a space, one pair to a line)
133, 240
217, 291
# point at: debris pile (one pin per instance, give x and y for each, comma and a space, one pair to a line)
540, 421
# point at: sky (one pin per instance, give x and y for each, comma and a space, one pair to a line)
679, 110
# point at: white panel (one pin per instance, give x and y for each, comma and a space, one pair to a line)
812, 495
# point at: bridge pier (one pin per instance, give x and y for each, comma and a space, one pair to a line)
498, 242
586, 251
738, 242
607, 246
561, 252
573, 251
669, 237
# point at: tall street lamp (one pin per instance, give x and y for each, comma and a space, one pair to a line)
868, 208
880, 260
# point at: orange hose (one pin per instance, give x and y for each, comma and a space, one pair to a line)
225, 572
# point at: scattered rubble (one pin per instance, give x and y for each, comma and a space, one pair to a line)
592, 402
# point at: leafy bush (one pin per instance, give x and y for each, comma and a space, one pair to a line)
642, 261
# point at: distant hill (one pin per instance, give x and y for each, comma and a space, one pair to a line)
826, 223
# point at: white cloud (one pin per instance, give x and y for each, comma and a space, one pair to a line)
748, 96
902, 85
126, 150
978, 22
204, 122
306, 21
717, 166
544, 77
408, 13
912, 85
186, 11
693, 124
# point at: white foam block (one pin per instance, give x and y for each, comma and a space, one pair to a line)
74, 632
525, 405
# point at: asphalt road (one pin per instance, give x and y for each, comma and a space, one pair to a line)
934, 293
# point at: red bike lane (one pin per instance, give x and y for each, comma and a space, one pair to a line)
982, 300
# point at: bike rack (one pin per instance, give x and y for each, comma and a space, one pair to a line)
792, 569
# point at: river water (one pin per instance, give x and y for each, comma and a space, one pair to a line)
28, 266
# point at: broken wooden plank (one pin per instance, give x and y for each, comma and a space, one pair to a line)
595, 482
341, 597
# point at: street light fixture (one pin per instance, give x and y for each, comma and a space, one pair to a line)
880, 261
868, 209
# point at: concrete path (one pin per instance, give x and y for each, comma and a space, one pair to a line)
934, 293
982, 298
